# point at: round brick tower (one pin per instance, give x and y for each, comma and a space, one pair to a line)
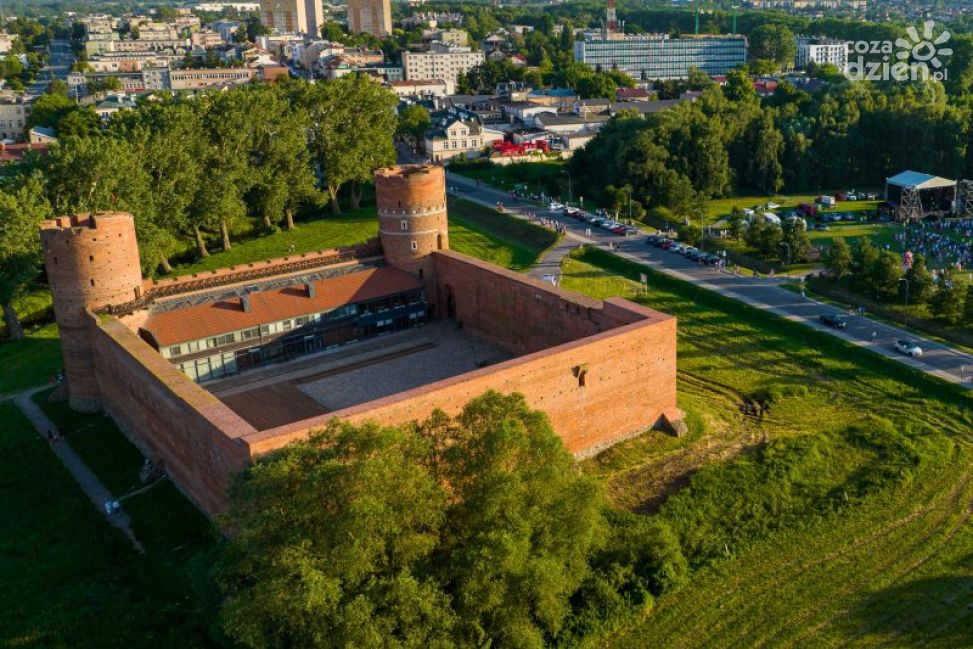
412, 220
92, 261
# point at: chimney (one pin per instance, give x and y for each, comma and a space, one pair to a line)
312, 290
245, 303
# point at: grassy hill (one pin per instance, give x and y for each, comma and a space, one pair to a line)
839, 517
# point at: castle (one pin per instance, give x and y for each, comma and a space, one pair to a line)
207, 372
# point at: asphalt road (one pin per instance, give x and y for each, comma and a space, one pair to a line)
937, 359
58, 66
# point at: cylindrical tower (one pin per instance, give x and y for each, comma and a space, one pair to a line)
92, 261
412, 220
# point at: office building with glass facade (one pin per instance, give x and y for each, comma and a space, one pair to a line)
656, 56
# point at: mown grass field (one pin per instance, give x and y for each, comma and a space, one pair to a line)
70, 581
839, 518
495, 237
719, 208
881, 234
29, 362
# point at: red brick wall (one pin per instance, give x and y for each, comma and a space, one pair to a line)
168, 416
629, 382
517, 313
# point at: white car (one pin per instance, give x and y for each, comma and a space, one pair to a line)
907, 347
772, 206
748, 212
556, 206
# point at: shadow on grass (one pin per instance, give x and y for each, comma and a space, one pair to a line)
916, 612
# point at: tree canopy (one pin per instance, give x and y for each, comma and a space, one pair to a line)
473, 530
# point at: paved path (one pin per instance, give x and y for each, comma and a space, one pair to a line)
937, 359
87, 480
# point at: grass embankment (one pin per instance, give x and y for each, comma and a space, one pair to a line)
839, 517
71, 580
321, 233
495, 237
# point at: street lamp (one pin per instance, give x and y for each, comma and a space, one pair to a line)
570, 195
784, 243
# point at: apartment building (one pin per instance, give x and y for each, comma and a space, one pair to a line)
657, 56
292, 16
440, 63
370, 16
13, 116
821, 51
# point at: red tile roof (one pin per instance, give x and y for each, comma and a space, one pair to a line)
223, 316
18, 152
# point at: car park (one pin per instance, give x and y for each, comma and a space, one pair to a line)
908, 347
834, 320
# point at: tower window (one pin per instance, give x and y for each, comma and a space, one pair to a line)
91, 257
92, 282
404, 224
415, 245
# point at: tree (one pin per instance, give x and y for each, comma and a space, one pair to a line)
352, 126
773, 42
473, 531
21, 211
794, 234
886, 274
947, 301
968, 308
596, 86
838, 261
863, 264
414, 121
285, 178
49, 108
80, 122
764, 170
920, 281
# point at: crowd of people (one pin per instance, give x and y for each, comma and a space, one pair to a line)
946, 242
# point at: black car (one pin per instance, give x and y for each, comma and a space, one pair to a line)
834, 320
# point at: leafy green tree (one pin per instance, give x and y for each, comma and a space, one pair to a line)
414, 121
472, 531
103, 85
968, 308
773, 42
920, 281
886, 274
596, 86
285, 178
864, 261
21, 211
690, 233
49, 108
352, 126
764, 170
104, 174
738, 223
838, 261
794, 234
81, 122
947, 301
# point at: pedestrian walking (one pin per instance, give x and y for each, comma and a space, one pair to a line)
803, 295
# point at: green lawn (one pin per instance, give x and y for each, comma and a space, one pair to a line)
70, 580
841, 517
495, 237
99, 443
548, 176
719, 208
326, 231
881, 234
29, 362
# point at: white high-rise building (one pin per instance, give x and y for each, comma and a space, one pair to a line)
820, 51
445, 63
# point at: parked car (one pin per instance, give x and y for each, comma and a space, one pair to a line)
772, 206
676, 247
908, 347
834, 320
667, 244
555, 206
653, 240
710, 259
821, 227
871, 196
